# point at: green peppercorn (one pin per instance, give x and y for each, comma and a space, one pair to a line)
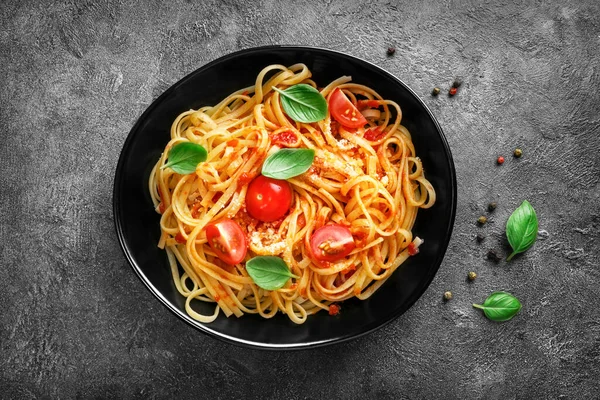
448, 295
482, 220
518, 153
492, 206
472, 275
435, 91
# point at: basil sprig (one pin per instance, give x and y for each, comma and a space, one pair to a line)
288, 163
303, 103
500, 306
521, 228
269, 272
184, 157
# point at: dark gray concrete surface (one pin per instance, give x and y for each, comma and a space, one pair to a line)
77, 323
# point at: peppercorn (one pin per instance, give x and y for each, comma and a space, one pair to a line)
500, 160
492, 206
518, 153
457, 82
480, 237
471, 275
482, 220
391, 51
435, 91
448, 295
452, 91
493, 256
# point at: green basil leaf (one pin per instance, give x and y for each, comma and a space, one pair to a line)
288, 163
521, 228
269, 272
500, 306
303, 103
184, 157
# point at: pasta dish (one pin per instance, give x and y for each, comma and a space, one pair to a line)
288, 197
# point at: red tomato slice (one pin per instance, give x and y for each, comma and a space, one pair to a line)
227, 240
331, 243
268, 199
343, 111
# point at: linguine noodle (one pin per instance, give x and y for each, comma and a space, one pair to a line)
368, 179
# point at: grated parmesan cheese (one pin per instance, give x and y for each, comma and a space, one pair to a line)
328, 161
345, 144
266, 243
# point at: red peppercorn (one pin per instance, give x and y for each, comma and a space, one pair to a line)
452, 91
500, 160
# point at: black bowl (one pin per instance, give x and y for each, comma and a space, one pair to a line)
137, 224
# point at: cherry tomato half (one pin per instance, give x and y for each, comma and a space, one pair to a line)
343, 111
331, 243
268, 199
227, 240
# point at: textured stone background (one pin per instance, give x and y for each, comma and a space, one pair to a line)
77, 323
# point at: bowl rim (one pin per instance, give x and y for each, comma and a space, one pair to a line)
205, 328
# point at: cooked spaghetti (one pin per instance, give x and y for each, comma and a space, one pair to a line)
367, 180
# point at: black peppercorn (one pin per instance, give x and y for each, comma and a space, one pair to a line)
391, 51
492, 206
457, 82
492, 255
480, 237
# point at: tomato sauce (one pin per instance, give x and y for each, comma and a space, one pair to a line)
374, 134
348, 272
412, 249
362, 104
286, 139
245, 178
301, 223
217, 196
179, 238
335, 128
162, 206
277, 223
